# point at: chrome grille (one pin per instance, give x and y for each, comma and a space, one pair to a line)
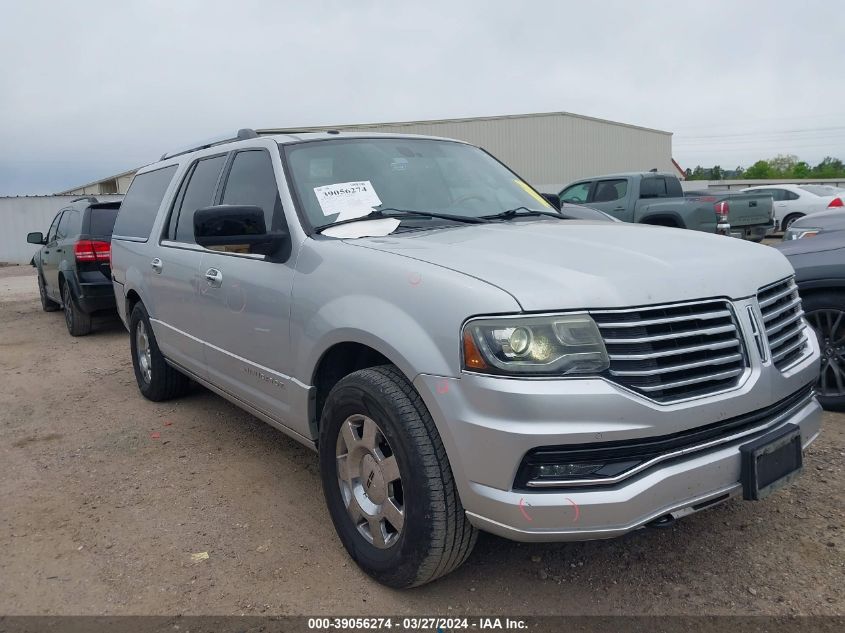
780, 306
673, 352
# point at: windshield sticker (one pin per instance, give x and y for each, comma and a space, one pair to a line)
366, 228
399, 164
527, 188
347, 199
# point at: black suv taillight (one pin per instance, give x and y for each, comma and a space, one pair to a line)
92, 251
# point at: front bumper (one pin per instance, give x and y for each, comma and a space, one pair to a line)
488, 424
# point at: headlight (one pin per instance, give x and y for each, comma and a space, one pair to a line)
548, 346
797, 234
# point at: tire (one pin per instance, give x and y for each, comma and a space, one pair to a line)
47, 304
788, 220
78, 322
825, 311
435, 536
156, 379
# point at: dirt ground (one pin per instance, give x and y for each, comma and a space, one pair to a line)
105, 498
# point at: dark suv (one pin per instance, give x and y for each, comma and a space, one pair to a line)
74, 264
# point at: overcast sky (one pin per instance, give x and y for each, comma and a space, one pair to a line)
90, 88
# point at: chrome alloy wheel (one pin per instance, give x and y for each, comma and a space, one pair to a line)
829, 326
369, 480
142, 346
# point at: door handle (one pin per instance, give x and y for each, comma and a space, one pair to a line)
156, 265
214, 277
60, 250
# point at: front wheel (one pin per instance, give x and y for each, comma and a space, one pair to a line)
47, 304
387, 481
826, 315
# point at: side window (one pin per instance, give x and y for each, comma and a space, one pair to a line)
576, 194
790, 195
653, 188
610, 190
51, 233
71, 224
674, 188
199, 193
64, 229
251, 181
140, 206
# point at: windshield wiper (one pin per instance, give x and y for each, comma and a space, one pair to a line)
522, 212
390, 212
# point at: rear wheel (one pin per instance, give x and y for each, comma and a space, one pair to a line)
826, 315
78, 322
788, 220
47, 304
156, 379
387, 481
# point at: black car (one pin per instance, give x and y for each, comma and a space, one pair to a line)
820, 274
74, 263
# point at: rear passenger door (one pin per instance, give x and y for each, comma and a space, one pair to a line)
245, 300
174, 277
611, 196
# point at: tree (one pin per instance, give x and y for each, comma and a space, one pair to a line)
759, 170
688, 173
829, 168
716, 173
801, 170
782, 165
739, 171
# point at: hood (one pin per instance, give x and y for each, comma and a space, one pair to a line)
822, 242
831, 220
555, 265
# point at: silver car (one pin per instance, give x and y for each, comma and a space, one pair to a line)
462, 355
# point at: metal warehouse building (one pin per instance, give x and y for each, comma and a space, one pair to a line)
549, 150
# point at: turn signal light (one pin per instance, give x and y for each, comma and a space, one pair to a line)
472, 357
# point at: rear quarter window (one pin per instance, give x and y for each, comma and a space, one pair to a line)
140, 206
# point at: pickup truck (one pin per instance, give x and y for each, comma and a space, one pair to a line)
657, 198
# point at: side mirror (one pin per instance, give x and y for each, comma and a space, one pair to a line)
237, 225
35, 238
553, 199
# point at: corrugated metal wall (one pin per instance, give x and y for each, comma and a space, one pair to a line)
22, 215
550, 150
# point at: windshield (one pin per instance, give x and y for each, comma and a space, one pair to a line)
348, 178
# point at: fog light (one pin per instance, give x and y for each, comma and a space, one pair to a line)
565, 470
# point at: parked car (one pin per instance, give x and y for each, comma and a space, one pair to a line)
820, 273
657, 198
796, 201
74, 262
817, 224
461, 356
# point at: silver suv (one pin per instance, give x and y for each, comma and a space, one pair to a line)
461, 354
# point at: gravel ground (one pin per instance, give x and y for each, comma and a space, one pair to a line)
109, 503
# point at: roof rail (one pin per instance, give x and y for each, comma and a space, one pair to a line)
242, 135
297, 130
91, 199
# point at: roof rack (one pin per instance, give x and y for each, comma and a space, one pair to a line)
297, 130
242, 135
